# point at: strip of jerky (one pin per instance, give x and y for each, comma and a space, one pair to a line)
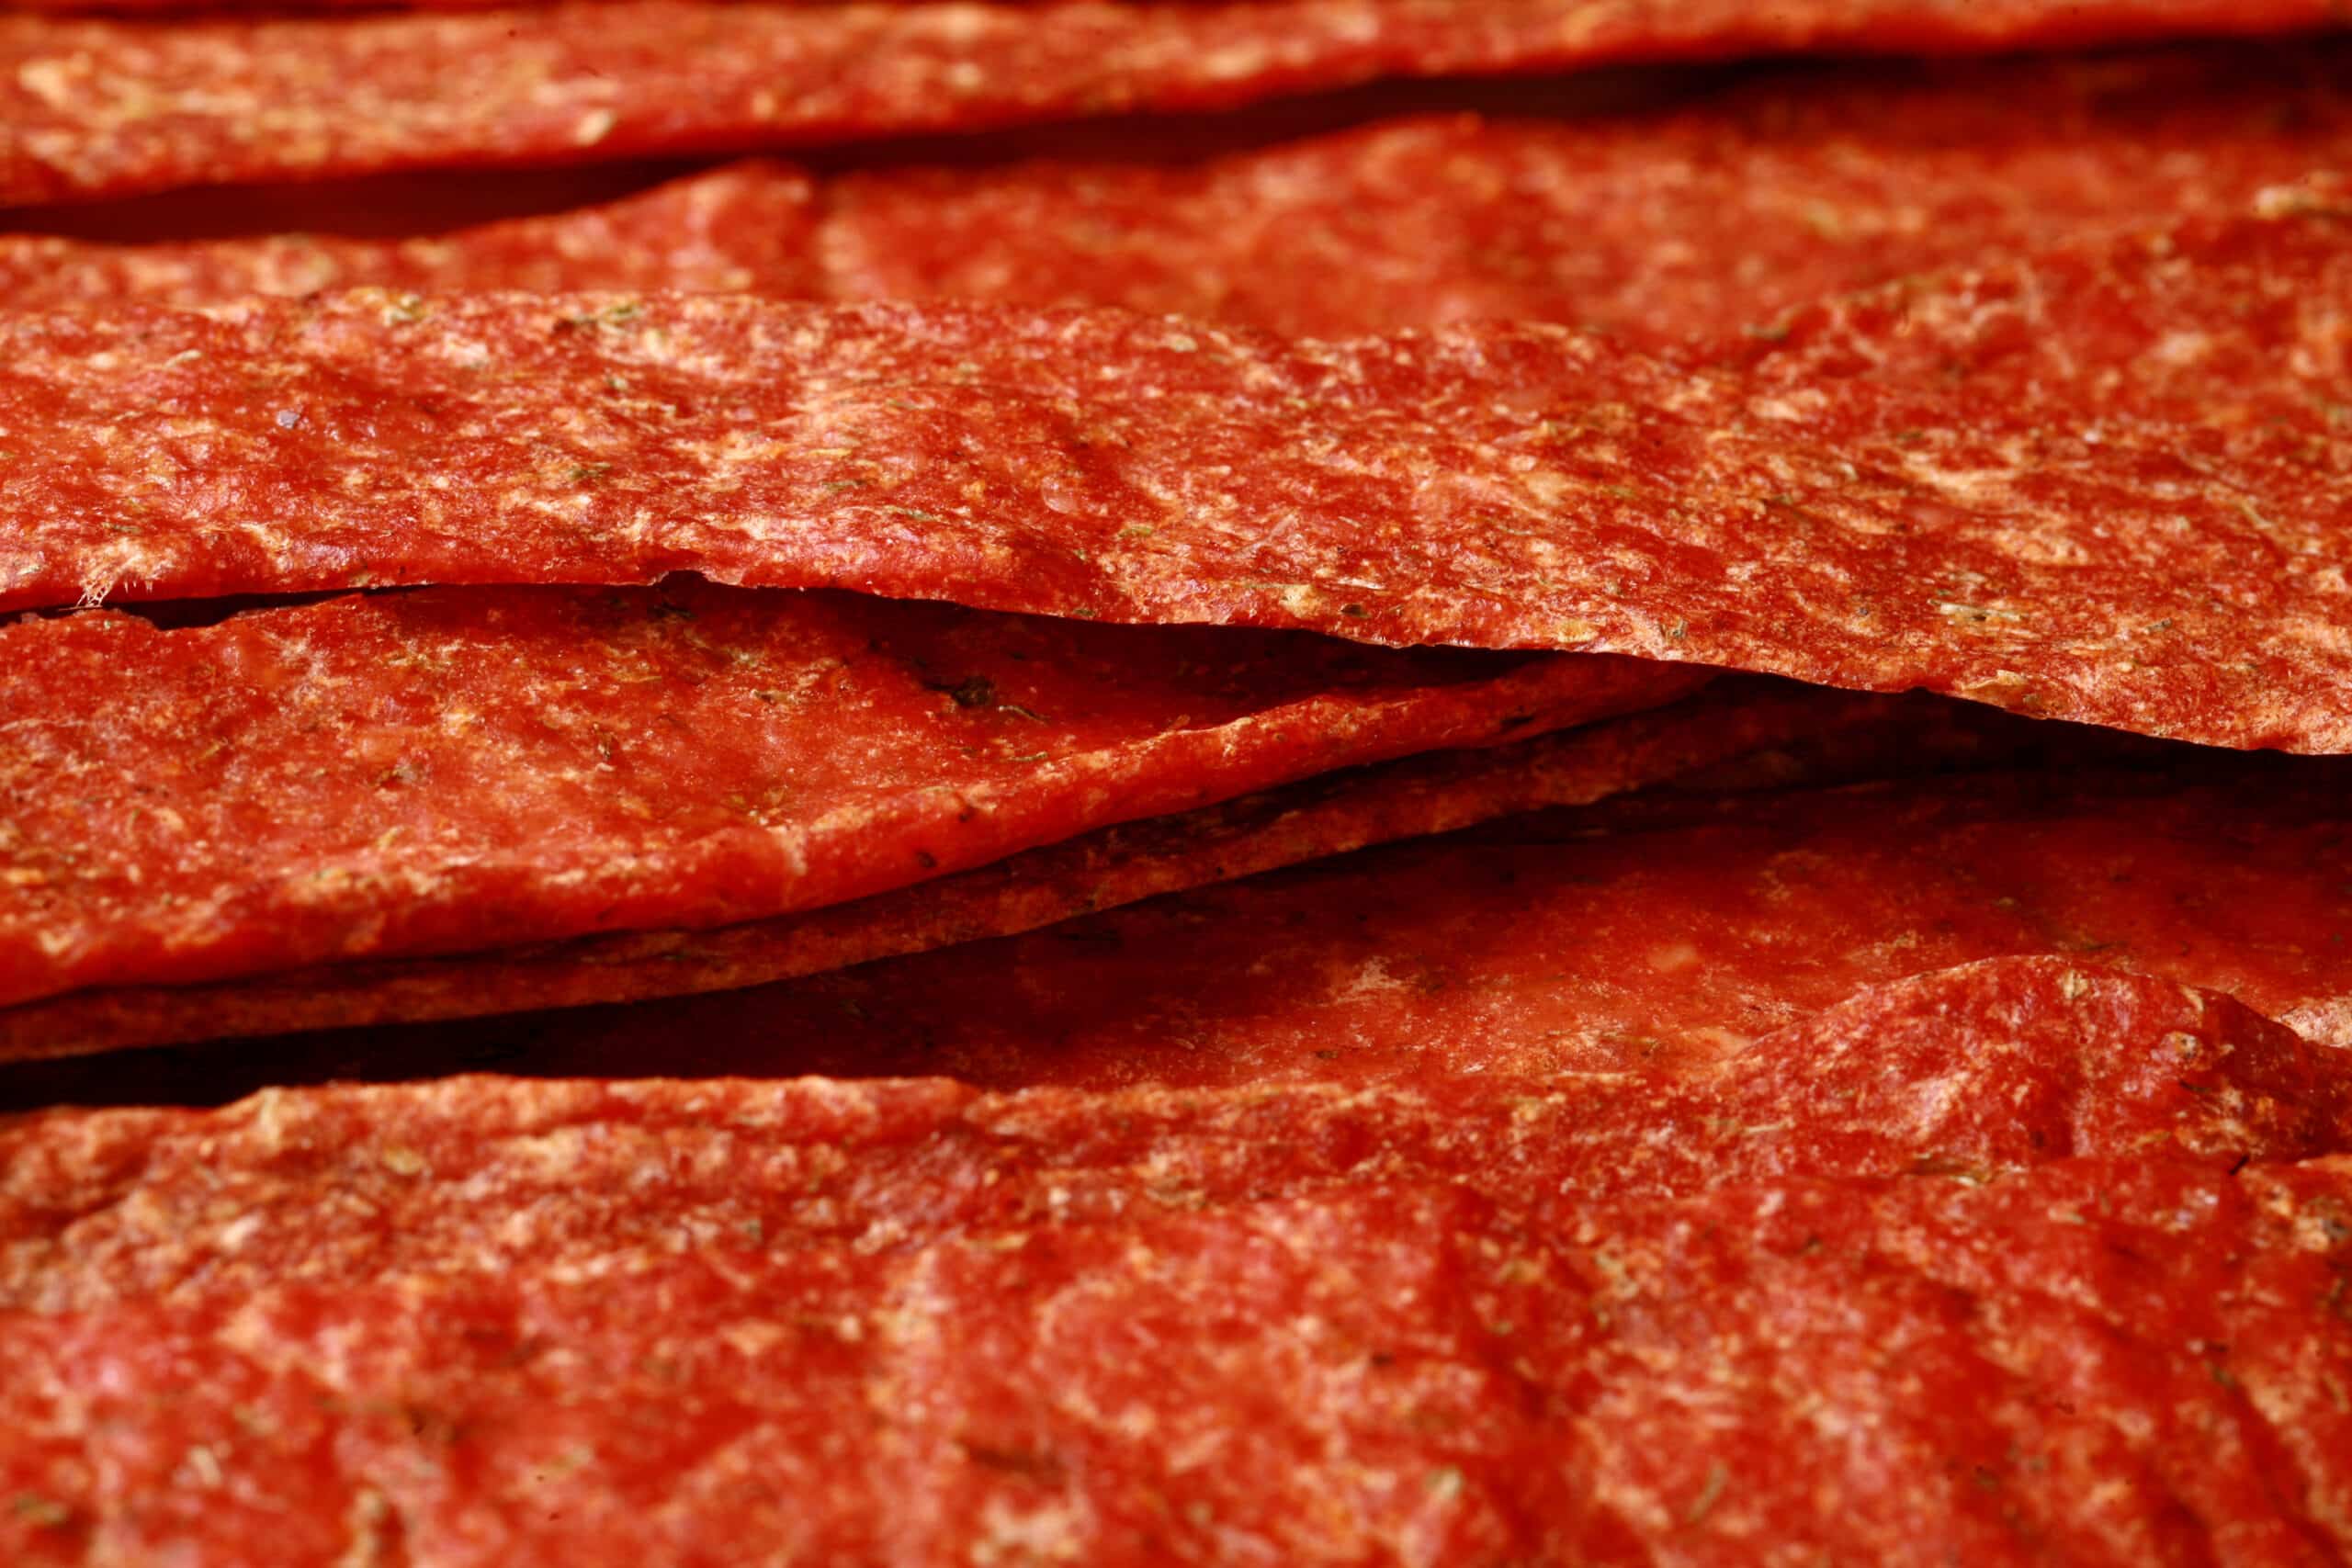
1635, 936
746, 228
1660, 226
1987, 1066
2097, 1360
2103, 484
450, 769
96, 107
1762, 726
1703, 218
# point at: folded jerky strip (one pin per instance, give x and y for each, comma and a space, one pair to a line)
518, 1363
1331, 813
1998, 1064
2036, 499
746, 228
448, 769
1710, 217
99, 108
1705, 218
1646, 934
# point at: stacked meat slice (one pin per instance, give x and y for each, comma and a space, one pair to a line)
1635, 849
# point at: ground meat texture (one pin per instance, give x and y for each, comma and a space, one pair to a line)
2102, 484
747, 228
2124, 1360
452, 769
104, 107
1706, 217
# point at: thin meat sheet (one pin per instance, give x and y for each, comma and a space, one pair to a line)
1702, 218
2105, 484
93, 109
594, 1323
448, 769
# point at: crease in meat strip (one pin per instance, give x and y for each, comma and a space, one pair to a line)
1644, 934
92, 108
1704, 218
2018, 486
449, 769
745, 227
1740, 720
596, 1323
1976, 1069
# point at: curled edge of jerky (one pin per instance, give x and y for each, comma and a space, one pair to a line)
1318, 816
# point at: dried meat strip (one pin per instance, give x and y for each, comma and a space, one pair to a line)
2118, 1360
102, 108
1738, 719
445, 770
1535, 945
2102, 484
1709, 217
746, 228
1704, 219
1987, 1066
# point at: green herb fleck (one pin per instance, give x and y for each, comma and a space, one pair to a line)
44, 1513
1710, 1491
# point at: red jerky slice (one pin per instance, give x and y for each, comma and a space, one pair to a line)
446, 770
1704, 220
1985, 1066
746, 228
1707, 219
91, 109
1534, 946
2103, 485
2028, 501
1742, 719
2095, 1360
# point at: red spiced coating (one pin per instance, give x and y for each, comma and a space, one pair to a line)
452, 769
2102, 484
746, 228
1704, 219
2117, 1360
2004, 485
95, 108
1329, 814
1985, 1066
1535, 945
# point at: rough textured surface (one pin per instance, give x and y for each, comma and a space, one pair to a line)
92, 108
1976, 1069
1704, 218
1763, 727
449, 769
1709, 217
748, 227
1639, 935
2118, 1360
2105, 484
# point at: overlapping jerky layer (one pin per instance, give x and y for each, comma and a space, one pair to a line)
450, 769
1706, 218
1758, 723
2125, 1360
1678, 938
1985, 1066
748, 227
92, 108
2102, 484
